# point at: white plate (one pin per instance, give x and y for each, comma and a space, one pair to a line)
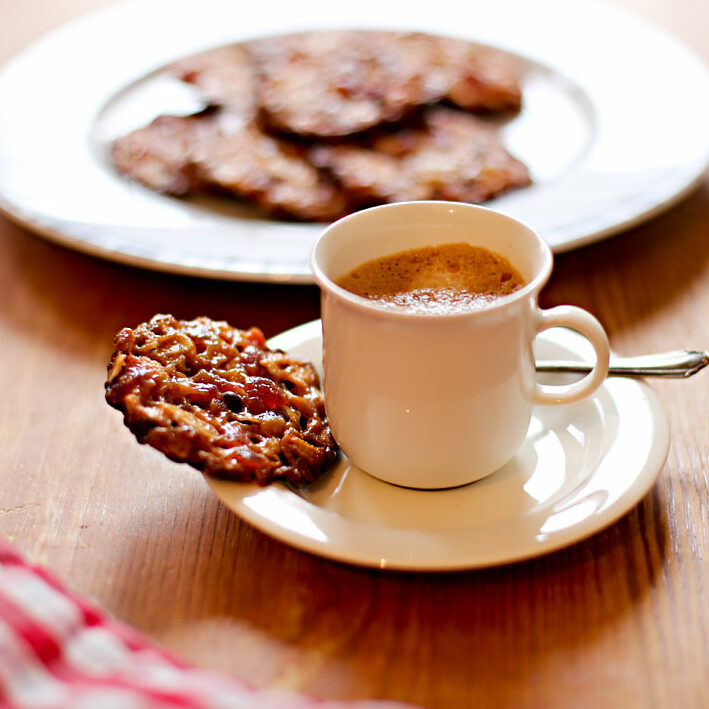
613, 128
581, 468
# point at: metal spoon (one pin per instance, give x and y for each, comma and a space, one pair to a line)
679, 363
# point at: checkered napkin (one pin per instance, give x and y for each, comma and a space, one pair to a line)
60, 651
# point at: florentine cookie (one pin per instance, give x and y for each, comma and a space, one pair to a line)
224, 77
449, 155
207, 394
481, 79
217, 151
336, 83
160, 155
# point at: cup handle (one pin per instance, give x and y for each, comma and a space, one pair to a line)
583, 322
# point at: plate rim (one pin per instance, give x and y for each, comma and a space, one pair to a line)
638, 488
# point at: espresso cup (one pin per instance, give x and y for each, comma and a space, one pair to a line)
430, 400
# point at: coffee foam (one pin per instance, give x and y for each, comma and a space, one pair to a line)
436, 279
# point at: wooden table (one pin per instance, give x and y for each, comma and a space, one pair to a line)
619, 620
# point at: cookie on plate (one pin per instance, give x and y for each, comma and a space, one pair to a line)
448, 155
336, 83
216, 151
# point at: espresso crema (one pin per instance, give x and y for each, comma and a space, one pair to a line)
448, 278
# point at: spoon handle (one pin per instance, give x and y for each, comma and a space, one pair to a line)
679, 363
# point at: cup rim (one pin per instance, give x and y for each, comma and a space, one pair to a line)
361, 303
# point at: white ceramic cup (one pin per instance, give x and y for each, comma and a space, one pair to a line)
437, 400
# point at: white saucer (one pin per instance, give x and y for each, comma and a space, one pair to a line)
581, 468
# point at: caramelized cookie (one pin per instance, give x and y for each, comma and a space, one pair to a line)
161, 155
223, 76
337, 83
450, 155
217, 151
341, 82
207, 394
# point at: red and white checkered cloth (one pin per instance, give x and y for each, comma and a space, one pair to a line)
60, 651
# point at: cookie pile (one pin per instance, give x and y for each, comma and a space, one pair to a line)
315, 125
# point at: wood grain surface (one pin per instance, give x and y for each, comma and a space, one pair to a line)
619, 620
